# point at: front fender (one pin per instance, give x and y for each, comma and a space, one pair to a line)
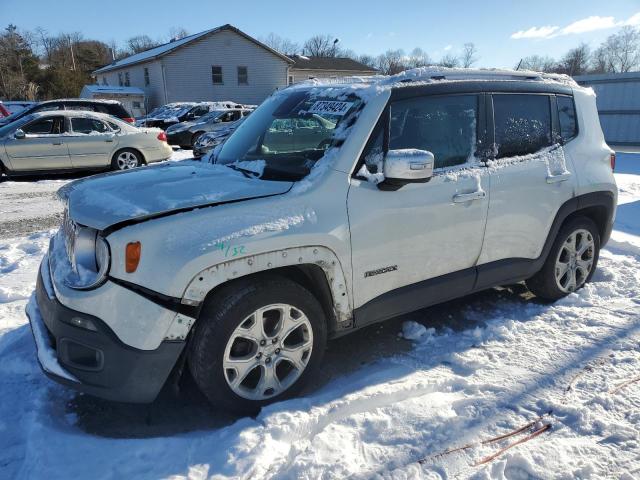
216, 275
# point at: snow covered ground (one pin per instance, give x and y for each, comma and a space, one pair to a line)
386, 406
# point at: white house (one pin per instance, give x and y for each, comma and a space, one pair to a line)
223, 63
218, 64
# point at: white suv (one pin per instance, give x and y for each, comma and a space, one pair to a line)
333, 206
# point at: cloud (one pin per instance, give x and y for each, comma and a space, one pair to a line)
589, 24
448, 47
583, 25
535, 32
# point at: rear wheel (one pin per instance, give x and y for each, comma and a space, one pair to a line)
571, 262
256, 343
196, 136
126, 159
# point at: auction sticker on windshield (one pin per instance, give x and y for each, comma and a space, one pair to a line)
331, 108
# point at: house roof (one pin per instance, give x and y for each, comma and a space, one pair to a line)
113, 90
329, 63
161, 50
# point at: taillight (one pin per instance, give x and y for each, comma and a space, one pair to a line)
162, 137
132, 256
613, 161
129, 119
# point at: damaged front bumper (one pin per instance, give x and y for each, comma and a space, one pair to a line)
82, 352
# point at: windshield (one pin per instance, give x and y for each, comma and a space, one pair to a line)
289, 133
15, 125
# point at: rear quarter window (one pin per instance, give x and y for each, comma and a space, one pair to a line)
567, 117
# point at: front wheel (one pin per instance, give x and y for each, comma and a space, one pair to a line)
126, 160
257, 343
571, 262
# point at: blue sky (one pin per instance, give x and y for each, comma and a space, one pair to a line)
503, 31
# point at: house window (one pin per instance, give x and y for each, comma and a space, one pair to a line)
290, 79
126, 79
147, 82
216, 75
243, 76
120, 82
104, 80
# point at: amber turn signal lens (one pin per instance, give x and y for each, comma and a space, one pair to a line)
132, 257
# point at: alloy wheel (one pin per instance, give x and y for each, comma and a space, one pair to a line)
268, 351
575, 261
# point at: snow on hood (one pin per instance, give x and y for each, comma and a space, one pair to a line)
105, 200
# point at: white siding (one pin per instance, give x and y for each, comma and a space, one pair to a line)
300, 75
188, 70
154, 93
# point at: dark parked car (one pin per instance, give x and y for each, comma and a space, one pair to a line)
186, 134
173, 113
110, 107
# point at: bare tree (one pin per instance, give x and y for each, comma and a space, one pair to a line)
368, 60
576, 61
469, 55
140, 43
321, 46
449, 61
418, 58
176, 33
621, 51
391, 62
280, 44
537, 63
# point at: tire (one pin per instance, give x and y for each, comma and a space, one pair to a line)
221, 342
126, 159
552, 282
195, 138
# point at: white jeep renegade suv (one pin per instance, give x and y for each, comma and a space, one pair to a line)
333, 206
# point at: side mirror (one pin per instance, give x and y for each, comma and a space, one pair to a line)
406, 166
19, 134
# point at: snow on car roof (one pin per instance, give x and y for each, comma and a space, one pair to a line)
426, 75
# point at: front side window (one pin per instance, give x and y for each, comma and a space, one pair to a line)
216, 75
443, 125
567, 116
44, 126
289, 133
522, 124
87, 126
243, 76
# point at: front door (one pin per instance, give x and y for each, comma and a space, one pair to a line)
91, 142
43, 147
419, 245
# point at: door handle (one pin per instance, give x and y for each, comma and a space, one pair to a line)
108, 139
57, 142
563, 177
467, 197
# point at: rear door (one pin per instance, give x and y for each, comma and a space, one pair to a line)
91, 142
530, 179
43, 148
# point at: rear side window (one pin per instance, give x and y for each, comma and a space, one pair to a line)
567, 116
116, 109
48, 107
87, 126
444, 125
522, 124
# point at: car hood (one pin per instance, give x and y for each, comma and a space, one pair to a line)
105, 200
